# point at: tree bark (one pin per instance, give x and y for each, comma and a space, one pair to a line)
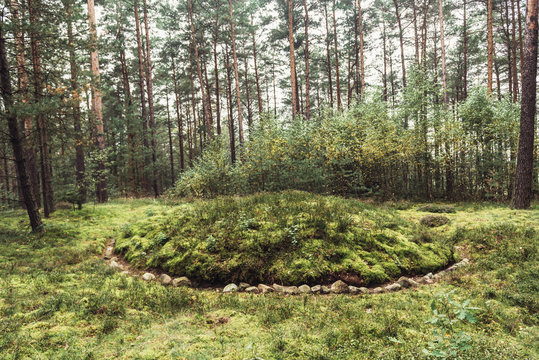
178, 115
362, 58
523, 193
232, 136
292, 59
258, 92
236, 73
328, 56
171, 148
401, 42
465, 54
490, 46
442, 44
46, 181
216, 70
15, 138
307, 69
336, 49
149, 84
514, 52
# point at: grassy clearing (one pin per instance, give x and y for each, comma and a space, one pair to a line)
58, 299
290, 237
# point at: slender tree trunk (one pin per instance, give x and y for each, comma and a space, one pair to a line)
384, 75
336, 46
216, 70
236, 73
15, 137
178, 115
77, 124
46, 181
416, 37
258, 92
292, 59
465, 55
360, 22
442, 44
490, 46
514, 52
328, 56
22, 74
520, 41
524, 174
149, 84
206, 119
171, 148
232, 136
248, 97
144, 115
307, 69
507, 31
401, 38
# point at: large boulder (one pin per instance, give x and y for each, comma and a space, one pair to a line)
305, 289
165, 279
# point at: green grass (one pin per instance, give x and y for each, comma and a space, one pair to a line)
290, 237
59, 300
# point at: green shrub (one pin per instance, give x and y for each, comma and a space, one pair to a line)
434, 208
434, 220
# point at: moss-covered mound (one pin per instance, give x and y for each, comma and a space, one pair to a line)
289, 237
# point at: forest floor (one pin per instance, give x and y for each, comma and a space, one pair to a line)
60, 300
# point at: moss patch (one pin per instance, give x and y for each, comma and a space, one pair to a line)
289, 237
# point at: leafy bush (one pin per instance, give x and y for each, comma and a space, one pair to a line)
435, 208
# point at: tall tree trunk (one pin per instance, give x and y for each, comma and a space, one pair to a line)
520, 40
524, 174
205, 111
292, 59
77, 124
22, 74
171, 148
384, 75
101, 190
442, 44
328, 56
149, 84
46, 177
258, 92
514, 52
236, 73
490, 46
507, 31
465, 55
15, 136
336, 48
360, 22
248, 97
178, 115
144, 115
307, 69
401, 39
232, 136
416, 37
216, 70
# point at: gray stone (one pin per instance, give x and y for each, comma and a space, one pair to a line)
148, 277
425, 280
125, 272
114, 258
278, 288
252, 289
181, 281
265, 288
465, 261
291, 290
356, 290
378, 290
114, 265
317, 289
339, 287
109, 251
393, 287
165, 279
325, 289
429, 276
305, 289
407, 282
243, 286
230, 288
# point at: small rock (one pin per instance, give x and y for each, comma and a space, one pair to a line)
305, 289
265, 288
325, 289
114, 258
252, 289
407, 282
425, 280
108, 252
428, 276
125, 272
230, 288
465, 261
439, 275
393, 287
339, 287
278, 288
317, 289
114, 265
165, 279
378, 290
357, 290
291, 290
243, 286
148, 277
181, 281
